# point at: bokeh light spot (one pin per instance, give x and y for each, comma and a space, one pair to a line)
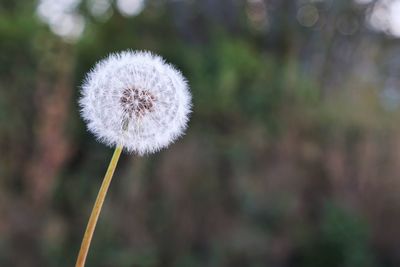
308, 15
130, 7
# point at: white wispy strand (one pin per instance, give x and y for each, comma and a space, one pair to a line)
137, 100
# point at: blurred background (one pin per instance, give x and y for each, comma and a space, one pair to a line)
291, 158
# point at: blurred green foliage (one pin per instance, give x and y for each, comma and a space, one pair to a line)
291, 156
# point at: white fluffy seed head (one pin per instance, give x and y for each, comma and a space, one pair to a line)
137, 100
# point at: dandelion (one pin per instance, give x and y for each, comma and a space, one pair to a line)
133, 101
136, 100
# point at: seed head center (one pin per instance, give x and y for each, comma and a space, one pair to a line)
137, 102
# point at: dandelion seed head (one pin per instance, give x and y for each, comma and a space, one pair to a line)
137, 100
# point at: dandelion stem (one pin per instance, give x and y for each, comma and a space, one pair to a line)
87, 238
